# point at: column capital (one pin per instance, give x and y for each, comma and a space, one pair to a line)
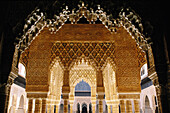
100, 85
100, 90
37, 95
100, 95
66, 74
65, 96
65, 89
115, 102
108, 102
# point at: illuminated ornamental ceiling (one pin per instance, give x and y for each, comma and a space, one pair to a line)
68, 59
39, 19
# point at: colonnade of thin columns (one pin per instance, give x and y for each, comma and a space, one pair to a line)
93, 98
42, 105
68, 96
113, 106
126, 106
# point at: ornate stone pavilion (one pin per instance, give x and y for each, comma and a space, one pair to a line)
107, 53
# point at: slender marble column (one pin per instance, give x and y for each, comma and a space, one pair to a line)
136, 106
109, 108
57, 108
128, 106
115, 107
44, 103
48, 108
30, 105
38, 104
93, 107
122, 106
65, 105
87, 108
100, 99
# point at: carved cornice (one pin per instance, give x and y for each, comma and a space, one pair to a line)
37, 95
152, 73
128, 96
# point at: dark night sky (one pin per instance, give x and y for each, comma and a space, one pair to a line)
14, 13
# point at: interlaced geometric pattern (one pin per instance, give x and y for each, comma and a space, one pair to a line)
96, 51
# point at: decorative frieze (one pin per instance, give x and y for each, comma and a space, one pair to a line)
129, 96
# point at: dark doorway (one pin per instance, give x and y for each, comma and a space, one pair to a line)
78, 108
84, 108
90, 108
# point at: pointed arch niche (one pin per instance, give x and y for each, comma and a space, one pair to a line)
111, 94
82, 70
55, 82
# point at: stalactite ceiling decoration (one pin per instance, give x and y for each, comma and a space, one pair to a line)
38, 19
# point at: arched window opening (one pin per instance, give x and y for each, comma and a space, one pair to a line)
14, 100
21, 105
21, 70
84, 108
147, 105
144, 71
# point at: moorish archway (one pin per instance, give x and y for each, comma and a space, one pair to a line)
51, 49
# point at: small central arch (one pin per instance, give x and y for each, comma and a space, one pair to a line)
84, 108
83, 97
109, 78
82, 70
147, 105
56, 79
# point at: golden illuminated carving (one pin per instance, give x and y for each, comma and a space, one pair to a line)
80, 71
109, 82
24, 57
56, 81
108, 56
70, 51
